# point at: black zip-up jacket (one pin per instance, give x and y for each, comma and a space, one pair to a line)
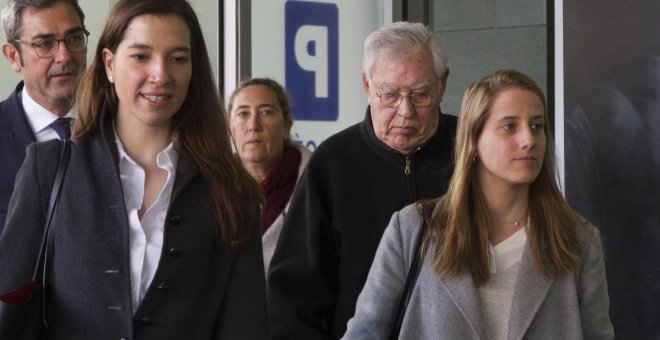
339, 210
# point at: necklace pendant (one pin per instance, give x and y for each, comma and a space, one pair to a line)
515, 223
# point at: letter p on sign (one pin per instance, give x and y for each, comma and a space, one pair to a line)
312, 58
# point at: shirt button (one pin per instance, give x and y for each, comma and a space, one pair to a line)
175, 252
175, 220
146, 320
162, 286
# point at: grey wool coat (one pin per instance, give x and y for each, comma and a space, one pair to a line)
573, 306
201, 290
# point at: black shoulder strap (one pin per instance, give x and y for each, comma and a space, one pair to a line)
413, 272
46, 240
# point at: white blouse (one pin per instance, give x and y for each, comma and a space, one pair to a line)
496, 295
146, 234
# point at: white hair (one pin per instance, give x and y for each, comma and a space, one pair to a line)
400, 39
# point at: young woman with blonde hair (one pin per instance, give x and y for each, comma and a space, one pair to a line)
504, 256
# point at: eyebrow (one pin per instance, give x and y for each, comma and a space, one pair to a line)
148, 47
541, 116
53, 35
244, 106
422, 85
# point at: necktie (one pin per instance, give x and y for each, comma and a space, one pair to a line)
63, 127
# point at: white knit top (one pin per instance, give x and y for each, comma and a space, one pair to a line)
496, 295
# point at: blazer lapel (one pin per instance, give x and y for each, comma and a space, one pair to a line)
530, 291
465, 296
186, 171
18, 134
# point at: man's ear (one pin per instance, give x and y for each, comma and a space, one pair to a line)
443, 82
365, 83
13, 55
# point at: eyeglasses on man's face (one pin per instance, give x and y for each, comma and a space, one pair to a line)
48, 47
394, 99
417, 98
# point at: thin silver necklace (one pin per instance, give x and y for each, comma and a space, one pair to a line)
516, 223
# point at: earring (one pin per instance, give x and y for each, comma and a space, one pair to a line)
475, 160
110, 79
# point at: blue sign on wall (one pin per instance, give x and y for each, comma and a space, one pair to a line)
312, 59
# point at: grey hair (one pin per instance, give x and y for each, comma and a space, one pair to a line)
400, 39
12, 14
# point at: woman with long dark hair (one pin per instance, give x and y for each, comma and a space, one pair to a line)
157, 229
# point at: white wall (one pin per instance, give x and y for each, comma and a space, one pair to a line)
208, 14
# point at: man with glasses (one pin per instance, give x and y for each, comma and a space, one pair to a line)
357, 179
47, 44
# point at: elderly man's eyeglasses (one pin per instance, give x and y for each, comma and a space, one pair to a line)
394, 99
48, 47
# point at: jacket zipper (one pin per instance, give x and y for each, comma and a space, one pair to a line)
409, 178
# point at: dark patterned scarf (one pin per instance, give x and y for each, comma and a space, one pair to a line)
278, 185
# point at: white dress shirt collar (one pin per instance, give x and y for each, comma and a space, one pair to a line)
39, 118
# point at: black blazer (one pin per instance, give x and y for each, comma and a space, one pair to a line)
15, 136
200, 290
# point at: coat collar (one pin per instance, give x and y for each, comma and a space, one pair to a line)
463, 292
530, 291
186, 169
17, 130
368, 130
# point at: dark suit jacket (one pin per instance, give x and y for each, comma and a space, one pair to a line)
200, 290
15, 135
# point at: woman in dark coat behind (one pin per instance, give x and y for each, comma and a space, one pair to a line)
157, 229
